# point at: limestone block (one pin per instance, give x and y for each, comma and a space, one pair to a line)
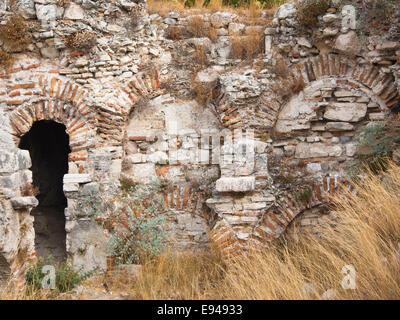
329, 18
330, 32
254, 206
77, 178
343, 93
10, 181
304, 42
314, 167
48, 12
158, 157
70, 187
14, 160
142, 172
348, 43
90, 189
292, 117
339, 126
49, 52
317, 150
87, 246
135, 158
348, 112
24, 202
74, 12
351, 149
268, 44
221, 19
235, 28
27, 8
285, 11
239, 184
388, 45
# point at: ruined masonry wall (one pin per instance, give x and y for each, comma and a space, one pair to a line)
130, 112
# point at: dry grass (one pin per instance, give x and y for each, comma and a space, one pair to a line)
15, 33
174, 32
185, 276
83, 40
247, 47
203, 92
6, 59
365, 234
200, 56
197, 26
29, 190
164, 7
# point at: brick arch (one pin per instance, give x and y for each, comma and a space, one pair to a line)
144, 84
182, 198
187, 200
345, 71
53, 98
225, 239
119, 103
275, 221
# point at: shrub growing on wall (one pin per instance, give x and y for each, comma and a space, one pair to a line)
374, 16
138, 231
15, 33
309, 11
83, 40
378, 141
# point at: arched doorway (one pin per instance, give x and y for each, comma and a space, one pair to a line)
48, 145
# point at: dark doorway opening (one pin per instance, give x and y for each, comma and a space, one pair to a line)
48, 145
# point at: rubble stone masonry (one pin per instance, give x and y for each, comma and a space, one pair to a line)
268, 149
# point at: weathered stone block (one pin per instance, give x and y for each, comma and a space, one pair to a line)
240, 184
14, 160
317, 150
77, 178
74, 12
339, 126
348, 112
348, 43
24, 202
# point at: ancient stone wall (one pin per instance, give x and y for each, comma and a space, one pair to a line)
267, 145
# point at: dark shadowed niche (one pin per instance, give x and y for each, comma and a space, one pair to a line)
48, 145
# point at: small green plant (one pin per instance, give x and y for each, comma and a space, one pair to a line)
66, 277
377, 143
308, 12
304, 195
138, 232
126, 184
286, 179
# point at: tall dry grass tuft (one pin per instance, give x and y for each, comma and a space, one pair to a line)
180, 276
247, 47
365, 235
252, 8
